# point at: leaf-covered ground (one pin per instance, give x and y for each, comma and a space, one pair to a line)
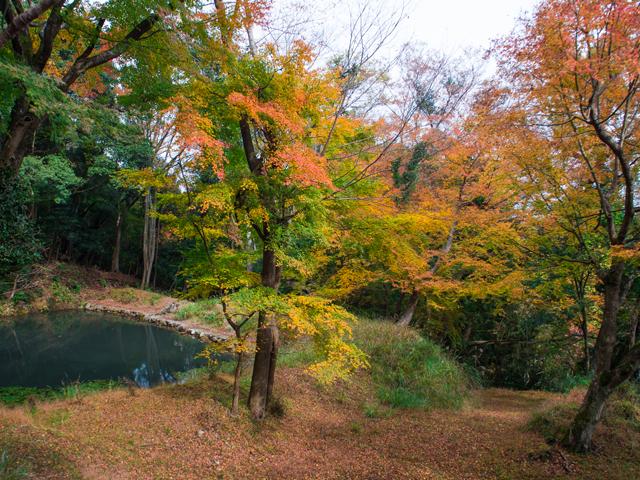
181, 432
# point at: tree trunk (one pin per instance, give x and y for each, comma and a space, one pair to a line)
407, 316
585, 342
115, 258
150, 237
267, 342
263, 369
22, 126
22, 21
236, 385
579, 436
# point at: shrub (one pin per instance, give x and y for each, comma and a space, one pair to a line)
61, 293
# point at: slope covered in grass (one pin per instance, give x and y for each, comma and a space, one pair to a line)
410, 371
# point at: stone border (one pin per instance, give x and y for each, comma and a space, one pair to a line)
159, 320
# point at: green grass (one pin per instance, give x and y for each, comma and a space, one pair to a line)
206, 311
409, 370
154, 298
298, 354
12, 396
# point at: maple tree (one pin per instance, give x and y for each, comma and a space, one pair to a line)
573, 74
271, 197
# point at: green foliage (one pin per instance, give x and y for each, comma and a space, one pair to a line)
298, 354
406, 180
411, 371
61, 293
49, 178
19, 245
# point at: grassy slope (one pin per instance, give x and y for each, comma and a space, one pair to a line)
341, 431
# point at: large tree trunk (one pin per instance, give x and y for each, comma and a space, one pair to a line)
579, 437
263, 369
267, 342
580, 433
150, 237
23, 123
407, 316
22, 127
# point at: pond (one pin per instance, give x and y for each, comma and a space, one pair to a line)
57, 348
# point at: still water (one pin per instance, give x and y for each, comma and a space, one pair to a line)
57, 348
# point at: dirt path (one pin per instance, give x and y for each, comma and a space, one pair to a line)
179, 432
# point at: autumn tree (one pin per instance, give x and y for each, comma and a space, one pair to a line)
573, 71
265, 106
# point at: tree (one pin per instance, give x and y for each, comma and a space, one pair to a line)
37, 54
274, 180
574, 70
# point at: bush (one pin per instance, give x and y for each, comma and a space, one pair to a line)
553, 423
61, 293
411, 371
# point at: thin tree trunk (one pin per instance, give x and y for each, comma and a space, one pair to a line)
150, 238
585, 340
236, 384
407, 316
115, 258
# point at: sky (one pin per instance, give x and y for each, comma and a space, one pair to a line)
451, 26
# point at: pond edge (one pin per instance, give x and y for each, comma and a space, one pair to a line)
160, 320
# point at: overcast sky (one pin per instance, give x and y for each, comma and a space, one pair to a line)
447, 25
458, 24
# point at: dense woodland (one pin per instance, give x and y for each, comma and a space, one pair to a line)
213, 150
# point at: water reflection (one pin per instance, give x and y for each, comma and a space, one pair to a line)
62, 347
